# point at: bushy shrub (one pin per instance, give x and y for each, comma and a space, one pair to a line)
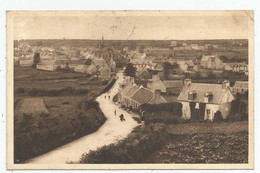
239, 110
163, 117
175, 108
115, 98
218, 117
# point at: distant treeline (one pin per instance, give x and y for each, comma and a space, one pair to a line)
116, 43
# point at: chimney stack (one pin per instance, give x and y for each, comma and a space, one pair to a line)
225, 84
187, 82
157, 93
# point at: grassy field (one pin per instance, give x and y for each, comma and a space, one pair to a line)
205, 143
204, 148
49, 109
29, 78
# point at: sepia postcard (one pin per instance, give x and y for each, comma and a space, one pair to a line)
130, 90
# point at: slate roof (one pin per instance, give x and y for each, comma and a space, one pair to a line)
105, 68
173, 83
77, 61
139, 72
207, 57
61, 62
159, 67
157, 100
49, 62
143, 96
98, 62
126, 88
200, 89
236, 64
81, 67
132, 91
241, 84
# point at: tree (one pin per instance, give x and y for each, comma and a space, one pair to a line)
167, 67
130, 70
132, 46
141, 49
36, 58
88, 61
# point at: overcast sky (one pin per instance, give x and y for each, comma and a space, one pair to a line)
130, 27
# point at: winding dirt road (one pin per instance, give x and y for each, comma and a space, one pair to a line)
112, 131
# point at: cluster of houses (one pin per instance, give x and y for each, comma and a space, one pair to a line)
191, 65
199, 100
97, 66
91, 61
195, 46
133, 96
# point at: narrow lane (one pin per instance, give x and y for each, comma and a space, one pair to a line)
112, 131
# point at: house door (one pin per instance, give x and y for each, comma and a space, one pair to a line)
193, 111
208, 115
201, 113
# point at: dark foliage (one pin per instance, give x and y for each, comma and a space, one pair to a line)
175, 108
130, 70
36, 58
239, 110
45, 136
218, 117
138, 146
88, 62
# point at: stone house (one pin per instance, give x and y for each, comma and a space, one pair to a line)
201, 101
173, 86
143, 74
165, 86
105, 72
156, 84
25, 62
236, 67
81, 68
74, 62
211, 62
240, 87
133, 96
47, 65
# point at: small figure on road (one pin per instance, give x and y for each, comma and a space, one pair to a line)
108, 97
122, 118
105, 96
115, 112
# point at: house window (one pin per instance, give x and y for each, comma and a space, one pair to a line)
208, 96
192, 95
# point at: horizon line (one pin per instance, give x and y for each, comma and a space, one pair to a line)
136, 39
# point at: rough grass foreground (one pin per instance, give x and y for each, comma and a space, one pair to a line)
158, 143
